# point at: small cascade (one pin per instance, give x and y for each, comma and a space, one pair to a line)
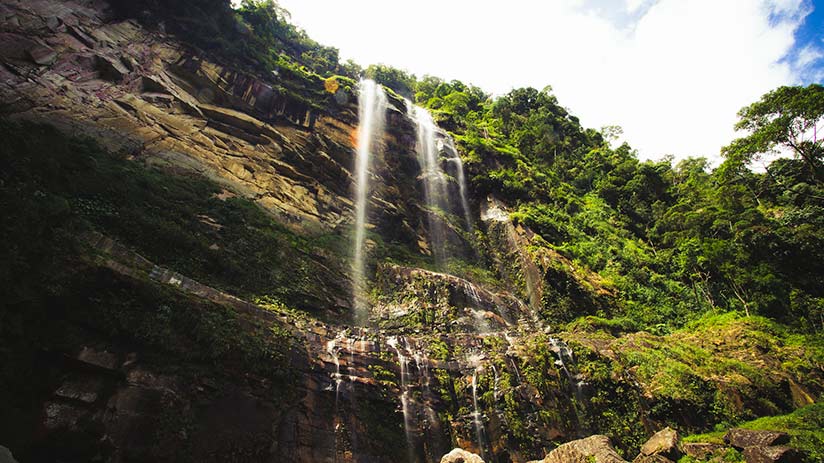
564, 355
511, 353
422, 364
350, 347
333, 350
372, 104
515, 369
392, 341
566, 363
472, 292
479, 320
462, 188
475, 361
495, 384
476, 414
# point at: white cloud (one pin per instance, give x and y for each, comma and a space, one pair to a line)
634, 5
673, 79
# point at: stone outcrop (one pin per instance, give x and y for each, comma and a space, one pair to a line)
771, 454
149, 96
461, 456
539, 272
6, 456
743, 438
445, 302
663, 444
597, 449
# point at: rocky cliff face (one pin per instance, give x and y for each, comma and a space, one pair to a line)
147, 362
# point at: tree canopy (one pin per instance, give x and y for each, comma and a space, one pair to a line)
785, 118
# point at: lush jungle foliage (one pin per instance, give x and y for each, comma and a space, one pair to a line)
674, 241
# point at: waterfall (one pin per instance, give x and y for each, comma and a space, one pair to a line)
456, 159
407, 414
495, 384
517, 372
430, 143
434, 182
564, 362
475, 361
476, 414
372, 106
333, 350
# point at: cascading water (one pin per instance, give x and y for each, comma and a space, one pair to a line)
495, 384
456, 159
474, 360
434, 181
372, 106
333, 350
476, 414
511, 353
564, 362
407, 414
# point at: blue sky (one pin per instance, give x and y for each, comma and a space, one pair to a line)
672, 73
809, 43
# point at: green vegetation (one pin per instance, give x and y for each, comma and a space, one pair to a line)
671, 242
705, 288
804, 425
53, 183
716, 371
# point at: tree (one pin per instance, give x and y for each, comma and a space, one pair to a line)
783, 118
398, 80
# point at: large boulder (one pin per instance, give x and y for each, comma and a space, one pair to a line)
743, 438
6, 456
593, 449
774, 454
461, 456
664, 443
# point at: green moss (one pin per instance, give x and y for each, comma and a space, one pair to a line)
614, 326
804, 425
174, 219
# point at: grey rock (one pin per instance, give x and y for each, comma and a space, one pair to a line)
771, 454
663, 443
461, 456
6, 456
597, 449
743, 438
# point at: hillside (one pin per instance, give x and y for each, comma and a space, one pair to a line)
223, 244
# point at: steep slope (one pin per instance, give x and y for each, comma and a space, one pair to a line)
178, 283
